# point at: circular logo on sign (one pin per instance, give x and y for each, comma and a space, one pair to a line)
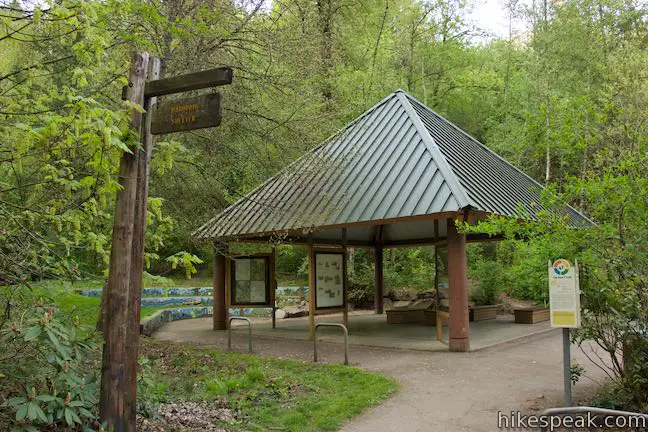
561, 267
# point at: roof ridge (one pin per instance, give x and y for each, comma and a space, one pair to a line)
491, 151
444, 167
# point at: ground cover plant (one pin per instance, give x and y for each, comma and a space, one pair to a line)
260, 393
58, 386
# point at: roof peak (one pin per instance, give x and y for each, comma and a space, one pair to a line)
399, 159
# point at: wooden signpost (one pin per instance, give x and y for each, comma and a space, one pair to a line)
121, 301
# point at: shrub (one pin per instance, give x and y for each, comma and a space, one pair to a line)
488, 275
290, 259
360, 294
51, 388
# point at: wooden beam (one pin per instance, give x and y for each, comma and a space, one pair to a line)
427, 241
304, 241
228, 288
193, 81
273, 286
297, 232
137, 258
113, 383
311, 289
345, 281
379, 288
220, 288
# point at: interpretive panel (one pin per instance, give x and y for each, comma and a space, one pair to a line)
329, 280
250, 281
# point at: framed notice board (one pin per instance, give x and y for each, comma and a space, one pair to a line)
250, 281
329, 280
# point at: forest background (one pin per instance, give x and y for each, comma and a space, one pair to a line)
565, 100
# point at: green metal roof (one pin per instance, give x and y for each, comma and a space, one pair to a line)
399, 159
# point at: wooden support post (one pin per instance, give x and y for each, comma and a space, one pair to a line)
458, 289
378, 299
273, 287
113, 369
137, 259
378, 262
220, 302
228, 290
345, 282
311, 288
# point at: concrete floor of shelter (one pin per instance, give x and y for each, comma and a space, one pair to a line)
365, 329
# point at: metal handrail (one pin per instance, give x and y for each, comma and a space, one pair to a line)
229, 332
563, 411
346, 340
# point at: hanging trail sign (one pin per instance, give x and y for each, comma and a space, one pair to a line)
564, 294
186, 114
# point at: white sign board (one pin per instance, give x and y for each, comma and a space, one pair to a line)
564, 294
329, 280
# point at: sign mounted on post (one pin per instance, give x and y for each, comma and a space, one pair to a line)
186, 114
564, 294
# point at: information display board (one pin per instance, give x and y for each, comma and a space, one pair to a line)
250, 281
564, 294
329, 280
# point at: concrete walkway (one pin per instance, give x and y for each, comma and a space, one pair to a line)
368, 329
439, 391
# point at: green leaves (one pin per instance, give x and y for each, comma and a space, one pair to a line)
32, 333
57, 389
185, 260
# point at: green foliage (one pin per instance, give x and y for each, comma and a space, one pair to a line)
54, 387
361, 294
565, 102
272, 393
185, 260
290, 259
613, 260
489, 282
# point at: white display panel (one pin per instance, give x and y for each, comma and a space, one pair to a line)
329, 280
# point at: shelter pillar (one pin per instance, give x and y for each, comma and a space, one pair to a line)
378, 300
220, 307
311, 290
458, 289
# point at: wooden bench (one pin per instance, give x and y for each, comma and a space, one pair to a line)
481, 313
405, 316
531, 315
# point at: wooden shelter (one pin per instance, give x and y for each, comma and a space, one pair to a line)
399, 175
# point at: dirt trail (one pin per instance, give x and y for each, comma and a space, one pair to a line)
439, 391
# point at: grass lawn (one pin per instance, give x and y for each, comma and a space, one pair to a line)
268, 393
272, 394
63, 295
